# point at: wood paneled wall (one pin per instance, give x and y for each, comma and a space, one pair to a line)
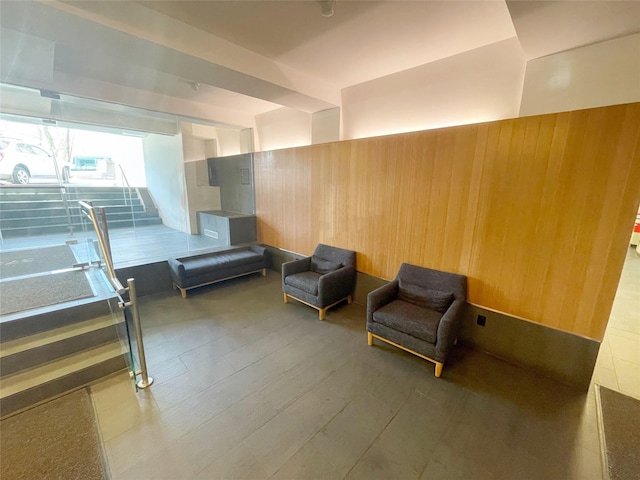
536, 211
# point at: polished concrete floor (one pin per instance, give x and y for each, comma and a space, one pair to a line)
249, 387
618, 364
129, 246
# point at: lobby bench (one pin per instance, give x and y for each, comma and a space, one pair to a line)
200, 270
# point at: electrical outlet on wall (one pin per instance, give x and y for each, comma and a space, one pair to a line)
482, 320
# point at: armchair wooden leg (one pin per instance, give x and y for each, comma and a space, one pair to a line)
369, 338
264, 272
349, 299
321, 313
286, 300
439, 369
183, 292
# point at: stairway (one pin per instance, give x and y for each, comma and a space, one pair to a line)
29, 210
45, 355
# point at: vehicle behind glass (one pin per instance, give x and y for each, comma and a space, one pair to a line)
22, 163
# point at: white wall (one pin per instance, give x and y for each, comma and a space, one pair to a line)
606, 73
325, 126
476, 86
164, 167
283, 128
193, 148
197, 142
228, 142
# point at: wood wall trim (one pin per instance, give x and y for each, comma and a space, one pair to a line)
536, 211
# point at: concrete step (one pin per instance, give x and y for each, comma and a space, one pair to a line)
59, 210
37, 349
24, 324
30, 387
20, 227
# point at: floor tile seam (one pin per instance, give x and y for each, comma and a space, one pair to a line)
108, 409
270, 353
273, 353
218, 454
161, 381
225, 409
632, 364
626, 334
337, 467
103, 446
228, 377
382, 430
243, 439
238, 347
450, 423
174, 410
311, 436
619, 363
278, 412
214, 340
311, 387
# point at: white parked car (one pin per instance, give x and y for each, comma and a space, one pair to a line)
22, 162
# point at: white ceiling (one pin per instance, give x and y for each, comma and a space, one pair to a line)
296, 51
545, 27
363, 40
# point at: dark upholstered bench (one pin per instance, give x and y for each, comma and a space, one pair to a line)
199, 270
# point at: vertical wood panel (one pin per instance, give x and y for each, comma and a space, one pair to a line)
536, 211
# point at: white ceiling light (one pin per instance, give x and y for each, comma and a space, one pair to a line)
326, 7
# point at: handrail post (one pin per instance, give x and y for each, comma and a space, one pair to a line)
105, 232
146, 380
124, 177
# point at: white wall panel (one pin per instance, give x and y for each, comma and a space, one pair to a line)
476, 86
283, 128
164, 168
606, 73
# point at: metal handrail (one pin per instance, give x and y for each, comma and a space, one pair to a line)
89, 211
65, 203
126, 180
102, 233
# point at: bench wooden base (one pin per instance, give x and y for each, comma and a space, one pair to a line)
439, 365
183, 290
321, 311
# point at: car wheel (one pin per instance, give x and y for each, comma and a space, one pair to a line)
20, 175
65, 175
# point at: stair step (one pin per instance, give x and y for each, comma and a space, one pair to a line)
14, 327
33, 386
41, 339
28, 352
13, 384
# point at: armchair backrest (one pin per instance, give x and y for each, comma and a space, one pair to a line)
336, 255
434, 279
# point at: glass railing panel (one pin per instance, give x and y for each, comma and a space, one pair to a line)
38, 250
125, 301
90, 251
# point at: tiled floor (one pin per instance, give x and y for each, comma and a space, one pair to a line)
618, 364
248, 387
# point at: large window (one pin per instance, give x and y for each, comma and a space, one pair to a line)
36, 154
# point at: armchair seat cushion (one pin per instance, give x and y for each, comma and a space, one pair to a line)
305, 281
412, 319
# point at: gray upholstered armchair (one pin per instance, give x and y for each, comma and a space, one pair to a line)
419, 311
322, 280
